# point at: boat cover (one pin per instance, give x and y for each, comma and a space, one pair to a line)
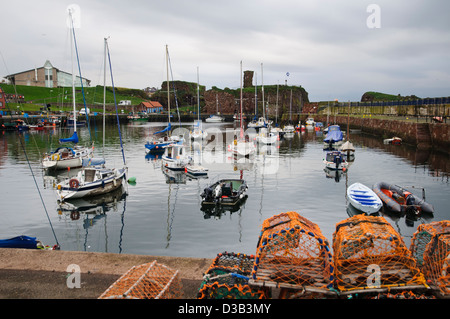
93, 161
73, 139
19, 242
334, 134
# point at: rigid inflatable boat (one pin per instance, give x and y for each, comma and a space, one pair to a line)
398, 199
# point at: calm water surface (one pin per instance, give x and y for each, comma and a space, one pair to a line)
161, 214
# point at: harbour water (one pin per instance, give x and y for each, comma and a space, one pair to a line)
161, 214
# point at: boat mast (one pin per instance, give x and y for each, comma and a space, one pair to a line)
104, 94
168, 87
73, 76
262, 89
198, 95
240, 124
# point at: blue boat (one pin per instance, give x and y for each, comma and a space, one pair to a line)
334, 136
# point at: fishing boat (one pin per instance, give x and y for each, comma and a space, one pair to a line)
363, 198
334, 136
175, 157
398, 200
258, 123
335, 160
91, 181
157, 144
225, 192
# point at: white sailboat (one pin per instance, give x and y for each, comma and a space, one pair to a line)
289, 129
68, 156
242, 146
198, 132
94, 180
215, 118
157, 144
265, 134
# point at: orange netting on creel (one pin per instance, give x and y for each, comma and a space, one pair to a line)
147, 281
370, 254
430, 246
293, 254
227, 278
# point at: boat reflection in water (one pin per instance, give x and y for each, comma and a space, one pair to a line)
92, 207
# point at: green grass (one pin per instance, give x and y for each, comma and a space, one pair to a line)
61, 98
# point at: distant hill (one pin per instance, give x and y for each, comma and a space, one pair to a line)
377, 96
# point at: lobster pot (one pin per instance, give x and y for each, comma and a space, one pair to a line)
147, 281
430, 245
227, 278
292, 254
369, 255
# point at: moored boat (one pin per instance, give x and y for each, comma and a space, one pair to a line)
225, 192
91, 181
335, 160
196, 170
175, 157
398, 200
363, 198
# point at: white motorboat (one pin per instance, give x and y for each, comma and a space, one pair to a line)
175, 157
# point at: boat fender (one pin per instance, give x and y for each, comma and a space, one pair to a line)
74, 183
75, 215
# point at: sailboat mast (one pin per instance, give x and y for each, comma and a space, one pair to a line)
168, 88
73, 75
262, 89
240, 124
104, 94
198, 95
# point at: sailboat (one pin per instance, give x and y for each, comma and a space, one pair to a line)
157, 145
289, 128
241, 146
94, 180
265, 134
68, 156
215, 118
347, 148
198, 132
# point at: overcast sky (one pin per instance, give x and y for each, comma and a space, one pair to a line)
334, 49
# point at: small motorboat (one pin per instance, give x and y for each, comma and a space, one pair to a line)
335, 160
334, 136
196, 170
398, 199
175, 157
225, 192
394, 140
363, 198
